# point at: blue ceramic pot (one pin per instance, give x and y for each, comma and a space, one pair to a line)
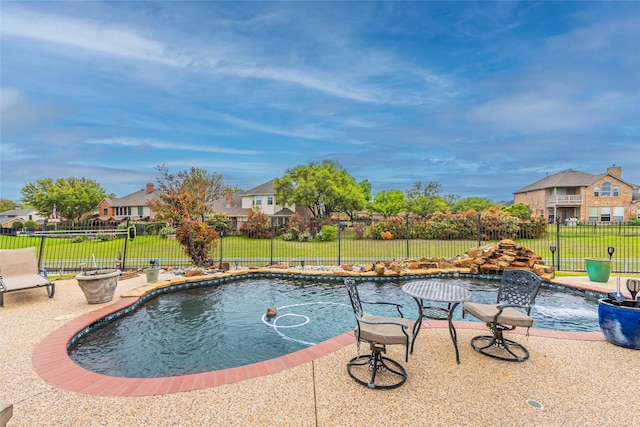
620, 324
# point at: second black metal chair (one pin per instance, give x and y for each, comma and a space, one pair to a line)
516, 296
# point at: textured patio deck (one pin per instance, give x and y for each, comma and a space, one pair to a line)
584, 381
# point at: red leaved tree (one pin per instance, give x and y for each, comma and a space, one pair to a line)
186, 198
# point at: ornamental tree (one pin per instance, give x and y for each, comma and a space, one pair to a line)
185, 199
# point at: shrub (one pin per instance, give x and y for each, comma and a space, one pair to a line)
258, 225
288, 237
358, 229
104, 237
17, 225
30, 224
396, 225
328, 233
79, 238
305, 237
533, 229
221, 222
166, 230
295, 228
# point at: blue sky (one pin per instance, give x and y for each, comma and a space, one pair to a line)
482, 97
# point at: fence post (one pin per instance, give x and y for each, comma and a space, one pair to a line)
272, 233
558, 242
479, 229
44, 227
126, 243
221, 238
339, 239
407, 236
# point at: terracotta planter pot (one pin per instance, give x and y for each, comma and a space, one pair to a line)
100, 285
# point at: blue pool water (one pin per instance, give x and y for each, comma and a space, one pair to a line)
225, 325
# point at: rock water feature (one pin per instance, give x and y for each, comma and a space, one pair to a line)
488, 259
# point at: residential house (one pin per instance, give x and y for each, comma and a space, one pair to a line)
263, 197
133, 206
7, 218
589, 198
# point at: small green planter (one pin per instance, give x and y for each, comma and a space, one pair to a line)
599, 269
152, 274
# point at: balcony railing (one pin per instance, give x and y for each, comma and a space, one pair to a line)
572, 200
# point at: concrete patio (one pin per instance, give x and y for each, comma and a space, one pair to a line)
577, 382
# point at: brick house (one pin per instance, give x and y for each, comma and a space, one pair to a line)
589, 198
133, 206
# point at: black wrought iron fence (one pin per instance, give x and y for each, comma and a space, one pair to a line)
564, 247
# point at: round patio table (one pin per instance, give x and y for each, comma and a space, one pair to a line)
436, 292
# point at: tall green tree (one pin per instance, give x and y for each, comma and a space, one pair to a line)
388, 203
72, 197
185, 199
7, 205
323, 188
473, 203
425, 199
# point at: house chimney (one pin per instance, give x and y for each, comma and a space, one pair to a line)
149, 188
615, 171
228, 198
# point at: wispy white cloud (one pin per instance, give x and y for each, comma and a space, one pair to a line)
166, 145
83, 34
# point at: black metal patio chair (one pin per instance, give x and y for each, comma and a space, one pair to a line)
375, 370
516, 296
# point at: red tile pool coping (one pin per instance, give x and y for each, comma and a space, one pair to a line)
52, 363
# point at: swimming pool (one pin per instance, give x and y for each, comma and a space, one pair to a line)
212, 327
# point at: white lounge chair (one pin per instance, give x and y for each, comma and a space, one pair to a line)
19, 270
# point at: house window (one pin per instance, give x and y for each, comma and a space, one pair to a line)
270, 200
618, 213
105, 211
593, 214
257, 200
616, 191
605, 214
606, 189
140, 210
596, 191
124, 210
